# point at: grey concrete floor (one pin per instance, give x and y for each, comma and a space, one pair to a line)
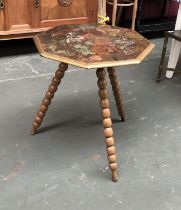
64, 166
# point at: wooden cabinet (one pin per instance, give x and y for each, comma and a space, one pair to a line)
2, 19
18, 15
53, 14
24, 18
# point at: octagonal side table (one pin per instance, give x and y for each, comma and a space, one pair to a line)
92, 46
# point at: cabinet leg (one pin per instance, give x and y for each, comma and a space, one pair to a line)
107, 123
49, 96
116, 92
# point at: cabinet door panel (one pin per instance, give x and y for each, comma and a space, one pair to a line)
54, 10
18, 14
52, 13
2, 21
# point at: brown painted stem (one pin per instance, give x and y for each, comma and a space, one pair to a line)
107, 122
49, 96
116, 92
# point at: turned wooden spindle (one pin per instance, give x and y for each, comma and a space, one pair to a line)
107, 122
49, 96
116, 92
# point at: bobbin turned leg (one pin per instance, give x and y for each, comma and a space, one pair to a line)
116, 92
107, 122
48, 96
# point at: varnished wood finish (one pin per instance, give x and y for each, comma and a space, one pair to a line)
91, 46
2, 20
29, 33
107, 122
18, 14
55, 11
48, 96
92, 11
97, 45
79, 11
23, 17
116, 92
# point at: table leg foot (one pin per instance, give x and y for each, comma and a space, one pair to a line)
33, 132
114, 176
49, 96
107, 122
116, 92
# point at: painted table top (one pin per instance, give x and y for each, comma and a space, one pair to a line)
93, 46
